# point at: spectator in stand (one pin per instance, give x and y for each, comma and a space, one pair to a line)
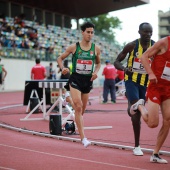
50, 52
11, 43
1, 44
38, 72
23, 45
36, 45
109, 72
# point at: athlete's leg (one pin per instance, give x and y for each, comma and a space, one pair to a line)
84, 98
150, 116
163, 133
76, 97
132, 93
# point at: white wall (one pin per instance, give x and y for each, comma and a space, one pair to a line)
19, 71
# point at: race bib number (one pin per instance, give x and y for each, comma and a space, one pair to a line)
138, 67
84, 66
166, 72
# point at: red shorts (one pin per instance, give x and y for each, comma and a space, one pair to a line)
158, 93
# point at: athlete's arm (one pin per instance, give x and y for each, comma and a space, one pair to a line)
70, 50
97, 63
122, 55
158, 48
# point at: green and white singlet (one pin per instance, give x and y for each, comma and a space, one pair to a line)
83, 61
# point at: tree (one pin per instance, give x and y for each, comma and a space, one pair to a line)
105, 25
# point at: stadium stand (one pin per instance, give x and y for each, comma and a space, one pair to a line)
27, 40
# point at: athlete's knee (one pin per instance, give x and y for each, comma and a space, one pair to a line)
153, 124
78, 107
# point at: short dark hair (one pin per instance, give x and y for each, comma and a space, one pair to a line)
37, 60
141, 25
87, 25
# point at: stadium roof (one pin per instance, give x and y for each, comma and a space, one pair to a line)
81, 8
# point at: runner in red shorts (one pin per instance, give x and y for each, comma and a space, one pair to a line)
158, 92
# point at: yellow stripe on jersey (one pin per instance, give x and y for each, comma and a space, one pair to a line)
141, 79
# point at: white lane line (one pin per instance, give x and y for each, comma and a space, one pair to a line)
10, 106
5, 168
73, 158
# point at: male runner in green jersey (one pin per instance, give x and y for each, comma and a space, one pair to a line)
85, 66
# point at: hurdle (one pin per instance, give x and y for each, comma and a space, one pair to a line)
56, 84
34, 91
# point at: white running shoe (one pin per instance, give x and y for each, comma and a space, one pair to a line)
137, 151
86, 142
157, 159
134, 107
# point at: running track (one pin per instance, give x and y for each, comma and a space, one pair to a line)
22, 151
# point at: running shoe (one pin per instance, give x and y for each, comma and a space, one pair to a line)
134, 107
157, 159
137, 151
86, 142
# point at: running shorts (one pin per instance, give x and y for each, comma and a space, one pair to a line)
80, 82
158, 93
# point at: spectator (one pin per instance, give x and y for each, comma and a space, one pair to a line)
38, 72
120, 77
109, 72
52, 74
24, 45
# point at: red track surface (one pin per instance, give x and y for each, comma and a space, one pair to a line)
24, 152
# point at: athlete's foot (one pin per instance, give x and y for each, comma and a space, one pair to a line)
86, 142
134, 107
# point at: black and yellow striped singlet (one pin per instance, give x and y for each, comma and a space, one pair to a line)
136, 77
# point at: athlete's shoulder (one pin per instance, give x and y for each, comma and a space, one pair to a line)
97, 47
130, 46
72, 48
